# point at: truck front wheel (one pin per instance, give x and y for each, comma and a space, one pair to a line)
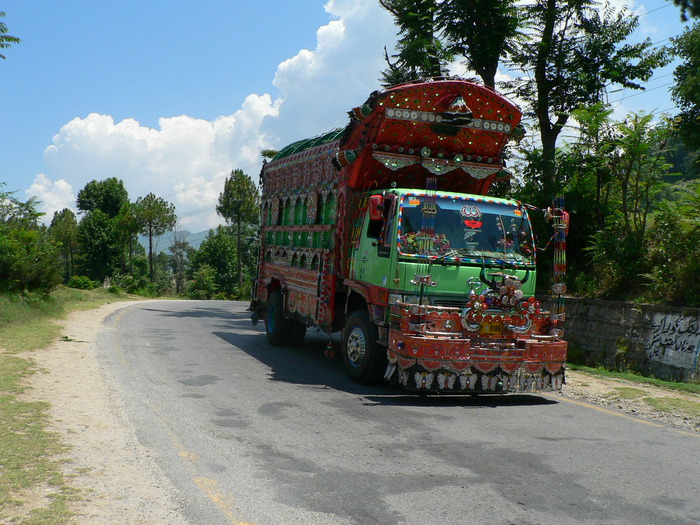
363, 358
280, 330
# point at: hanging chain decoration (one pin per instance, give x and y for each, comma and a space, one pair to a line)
560, 222
429, 211
427, 233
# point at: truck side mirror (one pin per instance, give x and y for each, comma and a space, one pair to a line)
376, 207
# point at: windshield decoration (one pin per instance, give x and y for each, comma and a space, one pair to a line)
469, 230
471, 215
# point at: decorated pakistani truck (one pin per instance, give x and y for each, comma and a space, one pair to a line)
384, 231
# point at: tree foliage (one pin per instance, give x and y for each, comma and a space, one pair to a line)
268, 153
155, 216
219, 252
420, 52
99, 245
28, 259
575, 52
180, 254
240, 200
686, 92
64, 232
203, 285
5, 39
688, 7
674, 258
239, 204
107, 195
480, 32
433, 33
616, 173
127, 227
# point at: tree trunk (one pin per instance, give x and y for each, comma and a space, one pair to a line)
488, 76
150, 254
548, 132
238, 249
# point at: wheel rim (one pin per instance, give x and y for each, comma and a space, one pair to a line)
356, 346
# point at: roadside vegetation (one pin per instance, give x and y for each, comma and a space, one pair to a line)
690, 387
100, 246
676, 404
30, 464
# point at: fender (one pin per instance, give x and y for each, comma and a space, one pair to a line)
375, 297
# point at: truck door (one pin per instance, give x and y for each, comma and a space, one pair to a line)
376, 245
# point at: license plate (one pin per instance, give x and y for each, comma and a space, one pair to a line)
491, 328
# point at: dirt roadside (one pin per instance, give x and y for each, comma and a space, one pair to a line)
635, 399
120, 480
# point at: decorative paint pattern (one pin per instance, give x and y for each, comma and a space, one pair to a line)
431, 349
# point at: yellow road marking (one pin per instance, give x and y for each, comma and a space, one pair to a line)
207, 485
210, 488
181, 449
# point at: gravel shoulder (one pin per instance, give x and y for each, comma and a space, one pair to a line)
120, 482
636, 399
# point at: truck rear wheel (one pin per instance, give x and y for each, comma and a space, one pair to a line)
280, 330
363, 358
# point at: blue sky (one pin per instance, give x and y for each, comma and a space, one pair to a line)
171, 96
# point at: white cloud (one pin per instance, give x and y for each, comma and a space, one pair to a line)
186, 160
54, 196
319, 86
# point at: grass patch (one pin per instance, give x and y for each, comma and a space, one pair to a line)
32, 487
28, 322
673, 405
693, 388
28, 452
627, 393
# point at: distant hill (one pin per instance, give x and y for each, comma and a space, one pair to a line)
163, 242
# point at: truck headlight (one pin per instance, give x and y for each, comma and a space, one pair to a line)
406, 298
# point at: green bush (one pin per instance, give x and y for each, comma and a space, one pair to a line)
674, 256
203, 285
28, 261
130, 283
81, 282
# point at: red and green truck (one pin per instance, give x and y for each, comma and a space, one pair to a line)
384, 231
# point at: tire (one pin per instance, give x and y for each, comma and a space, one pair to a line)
364, 360
280, 330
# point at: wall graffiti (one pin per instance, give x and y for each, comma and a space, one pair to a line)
674, 340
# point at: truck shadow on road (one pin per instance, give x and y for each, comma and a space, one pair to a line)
307, 365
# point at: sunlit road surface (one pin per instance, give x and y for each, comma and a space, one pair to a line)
249, 433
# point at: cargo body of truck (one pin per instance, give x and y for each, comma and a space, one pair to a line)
384, 231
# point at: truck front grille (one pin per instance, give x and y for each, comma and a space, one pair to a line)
446, 301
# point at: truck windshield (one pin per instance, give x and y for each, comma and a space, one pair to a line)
458, 227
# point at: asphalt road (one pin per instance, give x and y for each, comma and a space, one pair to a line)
254, 434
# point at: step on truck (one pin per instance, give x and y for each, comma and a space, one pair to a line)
384, 231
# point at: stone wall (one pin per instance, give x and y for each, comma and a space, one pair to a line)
662, 341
